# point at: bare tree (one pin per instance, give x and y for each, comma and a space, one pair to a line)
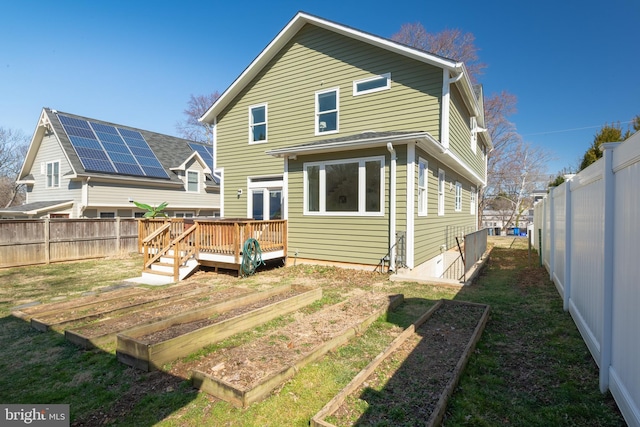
509, 152
449, 43
13, 148
521, 171
190, 128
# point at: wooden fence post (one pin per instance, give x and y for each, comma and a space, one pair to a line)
118, 234
47, 240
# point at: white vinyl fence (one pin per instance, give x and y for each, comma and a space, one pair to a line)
590, 228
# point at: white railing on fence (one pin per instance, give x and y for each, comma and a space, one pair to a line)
590, 238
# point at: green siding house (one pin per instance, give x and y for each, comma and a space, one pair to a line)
367, 147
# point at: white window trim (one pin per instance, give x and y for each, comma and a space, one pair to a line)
441, 184
458, 198
264, 183
46, 173
473, 201
186, 181
361, 187
184, 214
337, 110
423, 209
386, 76
266, 124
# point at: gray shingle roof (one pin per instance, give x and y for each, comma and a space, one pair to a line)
171, 151
35, 206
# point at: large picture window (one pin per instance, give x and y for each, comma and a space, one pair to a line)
327, 111
423, 172
349, 187
258, 123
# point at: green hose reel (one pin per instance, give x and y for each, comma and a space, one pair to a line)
251, 257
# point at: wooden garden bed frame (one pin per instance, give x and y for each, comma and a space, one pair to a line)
436, 416
243, 398
148, 357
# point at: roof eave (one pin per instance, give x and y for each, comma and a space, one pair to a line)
352, 145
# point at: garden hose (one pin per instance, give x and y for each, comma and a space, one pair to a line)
251, 257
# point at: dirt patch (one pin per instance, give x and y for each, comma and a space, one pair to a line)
149, 315
184, 328
246, 365
406, 387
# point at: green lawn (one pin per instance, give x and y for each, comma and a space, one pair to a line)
531, 367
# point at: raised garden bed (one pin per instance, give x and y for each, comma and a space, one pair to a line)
103, 332
63, 318
148, 347
27, 313
249, 373
410, 382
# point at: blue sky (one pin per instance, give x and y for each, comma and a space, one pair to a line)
573, 65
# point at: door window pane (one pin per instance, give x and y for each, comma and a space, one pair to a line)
275, 204
258, 204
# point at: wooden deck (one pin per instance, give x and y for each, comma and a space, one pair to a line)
214, 243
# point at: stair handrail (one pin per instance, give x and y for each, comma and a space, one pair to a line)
146, 245
190, 250
386, 257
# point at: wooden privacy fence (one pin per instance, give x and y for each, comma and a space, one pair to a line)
43, 241
590, 238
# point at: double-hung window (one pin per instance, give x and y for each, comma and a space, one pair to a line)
441, 180
473, 201
327, 109
458, 203
193, 181
345, 187
53, 174
423, 173
258, 123
474, 134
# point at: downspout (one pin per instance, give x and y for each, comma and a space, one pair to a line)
392, 207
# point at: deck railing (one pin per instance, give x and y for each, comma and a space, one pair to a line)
189, 238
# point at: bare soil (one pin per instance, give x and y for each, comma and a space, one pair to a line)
152, 314
405, 388
246, 365
185, 328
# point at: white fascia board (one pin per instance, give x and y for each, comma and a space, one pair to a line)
291, 29
350, 145
49, 208
128, 180
198, 157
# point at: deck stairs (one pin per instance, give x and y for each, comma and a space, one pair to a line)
162, 270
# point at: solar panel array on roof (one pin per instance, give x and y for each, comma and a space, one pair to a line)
205, 152
111, 149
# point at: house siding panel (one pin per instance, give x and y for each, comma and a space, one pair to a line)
334, 237
316, 59
432, 231
460, 135
50, 151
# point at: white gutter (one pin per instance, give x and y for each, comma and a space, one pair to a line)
392, 207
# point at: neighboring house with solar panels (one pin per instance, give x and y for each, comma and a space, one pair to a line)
78, 167
366, 146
